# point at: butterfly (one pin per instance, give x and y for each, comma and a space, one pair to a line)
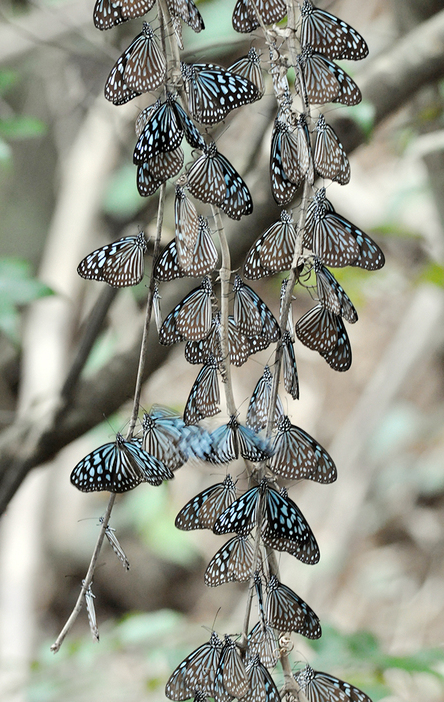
233, 562
283, 185
196, 672
204, 395
232, 439
91, 611
213, 91
289, 367
262, 642
238, 344
336, 240
249, 67
330, 159
244, 15
115, 545
118, 466
273, 251
261, 685
251, 314
202, 511
119, 264
162, 437
140, 69
157, 170
213, 179
188, 12
324, 81
187, 227
164, 129
257, 413
286, 611
318, 687
156, 307
330, 35
332, 295
298, 455
109, 13
283, 523
191, 318
203, 261
231, 676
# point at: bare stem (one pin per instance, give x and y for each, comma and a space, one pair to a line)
225, 276
88, 579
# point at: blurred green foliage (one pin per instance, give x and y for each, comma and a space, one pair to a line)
17, 288
137, 654
14, 127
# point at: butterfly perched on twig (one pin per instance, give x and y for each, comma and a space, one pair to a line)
233, 562
196, 672
324, 81
162, 130
109, 13
330, 159
204, 396
239, 345
140, 69
213, 91
286, 611
249, 67
118, 466
202, 511
297, 455
231, 676
261, 684
329, 35
203, 259
157, 170
191, 318
332, 295
273, 251
115, 545
188, 13
213, 179
337, 241
318, 686
251, 314
245, 20
119, 264
232, 439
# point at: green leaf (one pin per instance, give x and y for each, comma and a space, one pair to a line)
21, 127
432, 273
7, 80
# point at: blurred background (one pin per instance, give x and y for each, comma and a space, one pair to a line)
67, 185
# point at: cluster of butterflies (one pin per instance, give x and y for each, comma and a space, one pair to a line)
220, 669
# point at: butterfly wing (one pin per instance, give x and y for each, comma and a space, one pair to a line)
120, 264
233, 562
146, 64
204, 395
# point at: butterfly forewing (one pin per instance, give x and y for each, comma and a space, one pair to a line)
262, 687
262, 642
233, 562
231, 672
206, 179
239, 517
277, 250
251, 314
203, 510
188, 12
282, 188
109, 13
